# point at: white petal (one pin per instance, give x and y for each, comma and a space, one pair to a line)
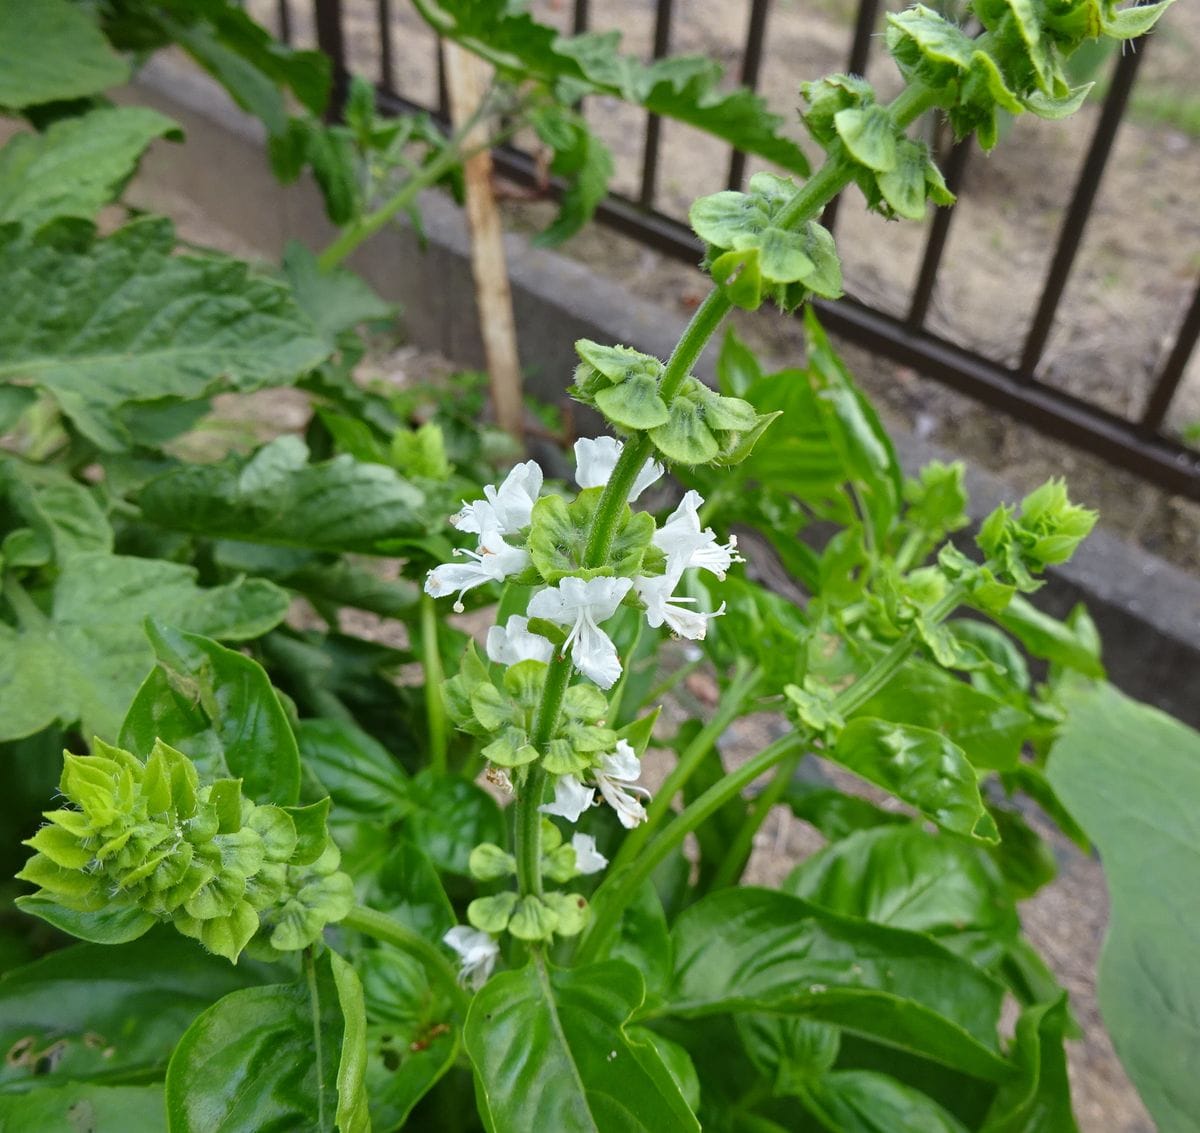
571, 798
549, 604
622, 764
587, 858
651, 472
475, 516
595, 656
599, 596
595, 459
477, 951
514, 499
512, 643
629, 811
663, 606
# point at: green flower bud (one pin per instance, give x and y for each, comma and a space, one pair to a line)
148, 838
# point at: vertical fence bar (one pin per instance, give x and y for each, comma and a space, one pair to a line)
662, 41
1172, 373
284, 13
1080, 207
387, 71
328, 14
443, 93
579, 22
939, 230
856, 64
751, 65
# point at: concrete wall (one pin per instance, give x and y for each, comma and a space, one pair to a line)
1147, 610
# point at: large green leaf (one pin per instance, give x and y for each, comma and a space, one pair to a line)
85, 660
1131, 776
283, 1056
683, 88
359, 773
920, 766
908, 878
102, 324
61, 514
334, 298
551, 1051
862, 1101
1038, 1100
449, 818
989, 731
78, 1106
759, 950
218, 707
50, 51
108, 1013
78, 165
279, 498
412, 1039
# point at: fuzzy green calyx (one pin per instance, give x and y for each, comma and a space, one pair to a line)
149, 839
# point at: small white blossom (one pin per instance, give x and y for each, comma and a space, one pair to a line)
582, 605
587, 858
477, 952
663, 606
595, 459
494, 561
617, 778
506, 508
512, 643
685, 545
571, 798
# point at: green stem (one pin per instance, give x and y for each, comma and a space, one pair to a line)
528, 817
615, 894
364, 228
741, 688
738, 854
314, 1003
380, 926
435, 706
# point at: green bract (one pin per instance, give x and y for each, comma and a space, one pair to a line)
145, 842
751, 257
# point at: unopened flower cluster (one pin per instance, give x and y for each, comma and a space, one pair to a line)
145, 842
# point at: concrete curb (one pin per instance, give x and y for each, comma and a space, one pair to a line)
1147, 610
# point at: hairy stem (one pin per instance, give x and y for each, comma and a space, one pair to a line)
528, 818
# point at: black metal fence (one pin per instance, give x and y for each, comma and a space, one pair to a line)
1138, 443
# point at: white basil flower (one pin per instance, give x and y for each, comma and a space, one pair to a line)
477, 952
685, 545
493, 562
582, 606
512, 643
595, 459
662, 605
617, 778
587, 858
571, 798
506, 508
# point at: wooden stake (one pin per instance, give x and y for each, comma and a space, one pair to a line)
466, 83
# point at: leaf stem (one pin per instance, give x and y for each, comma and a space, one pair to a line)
371, 922
741, 688
435, 706
738, 854
619, 890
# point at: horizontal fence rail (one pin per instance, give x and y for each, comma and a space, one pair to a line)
1140, 446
